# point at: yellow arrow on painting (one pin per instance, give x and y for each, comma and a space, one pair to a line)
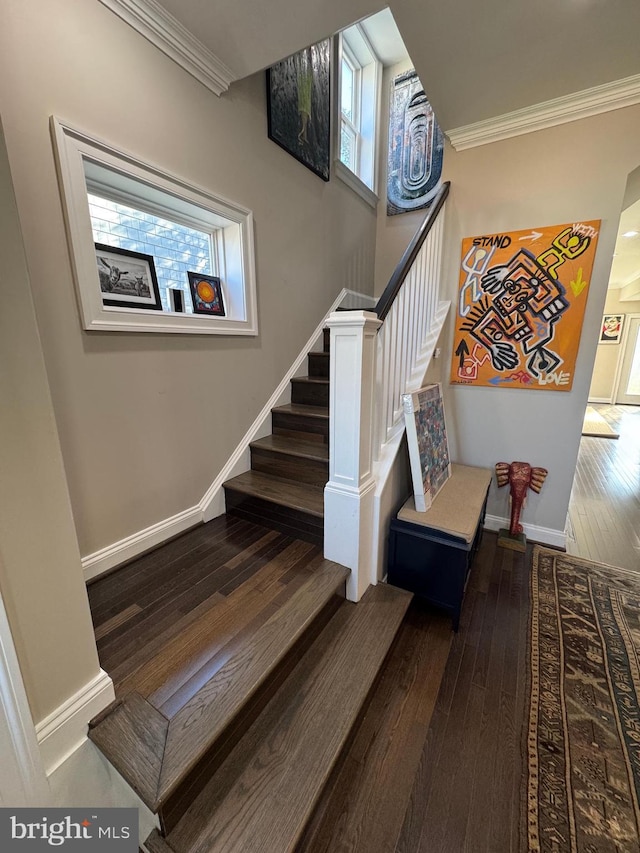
579, 284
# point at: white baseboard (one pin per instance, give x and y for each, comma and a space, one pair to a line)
607, 400
114, 555
64, 730
544, 535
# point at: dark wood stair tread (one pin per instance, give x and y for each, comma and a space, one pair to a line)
155, 843
312, 380
155, 754
320, 412
293, 447
263, 794
300, 496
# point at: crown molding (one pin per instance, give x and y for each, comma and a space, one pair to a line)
152, 21
589, 102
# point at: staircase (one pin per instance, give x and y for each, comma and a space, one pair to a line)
289, 469
241, 761
240, 757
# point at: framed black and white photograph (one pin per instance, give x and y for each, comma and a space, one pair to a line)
206, 294
298, 106
127, 279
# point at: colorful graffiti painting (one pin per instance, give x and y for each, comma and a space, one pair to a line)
521, 304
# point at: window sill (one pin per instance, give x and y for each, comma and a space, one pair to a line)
353, 181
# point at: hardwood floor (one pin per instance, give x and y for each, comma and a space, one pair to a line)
604, 511
166, 622
435, 763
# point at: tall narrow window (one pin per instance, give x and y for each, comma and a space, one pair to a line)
360, 74
349, 107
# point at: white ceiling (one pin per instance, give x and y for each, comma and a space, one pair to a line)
476, 59
385, 38
482, 58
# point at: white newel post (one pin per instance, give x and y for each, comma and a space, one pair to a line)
348, 496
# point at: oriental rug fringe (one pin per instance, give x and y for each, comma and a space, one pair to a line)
583, 735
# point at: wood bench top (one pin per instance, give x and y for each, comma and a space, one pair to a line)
457, 506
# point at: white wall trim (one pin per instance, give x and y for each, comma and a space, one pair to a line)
213, 501
590, 102
158, 26
608, 400
126, 549
544, 535
22, 778
355, 183
65, 729
617, 377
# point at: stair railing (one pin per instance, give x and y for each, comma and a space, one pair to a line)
408, 309
375, 358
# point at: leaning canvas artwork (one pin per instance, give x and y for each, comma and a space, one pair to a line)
521, 302
427, 442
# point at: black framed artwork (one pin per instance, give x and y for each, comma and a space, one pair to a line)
127, 279
299, 108
206, 294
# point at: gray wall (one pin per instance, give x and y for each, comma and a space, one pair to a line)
147, 421
565, 174
41, 579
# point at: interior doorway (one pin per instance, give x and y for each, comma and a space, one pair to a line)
603, 522
628, 386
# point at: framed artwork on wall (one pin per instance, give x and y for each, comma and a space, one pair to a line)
127, 279
416, 146
611, 330
206, 294
299, 108
521, 302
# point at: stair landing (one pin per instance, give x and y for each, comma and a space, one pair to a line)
183, 697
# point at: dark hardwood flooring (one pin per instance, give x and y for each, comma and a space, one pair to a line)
166, 622
604, 511
434, 765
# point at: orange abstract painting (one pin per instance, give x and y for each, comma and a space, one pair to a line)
521, 305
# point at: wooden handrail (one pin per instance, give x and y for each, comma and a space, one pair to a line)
402, 270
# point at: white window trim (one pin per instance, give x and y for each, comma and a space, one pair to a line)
235, 247
371, 81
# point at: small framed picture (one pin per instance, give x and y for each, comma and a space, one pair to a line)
206, 294
611, 331
127, 279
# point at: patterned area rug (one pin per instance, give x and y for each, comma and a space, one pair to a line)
583, 738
